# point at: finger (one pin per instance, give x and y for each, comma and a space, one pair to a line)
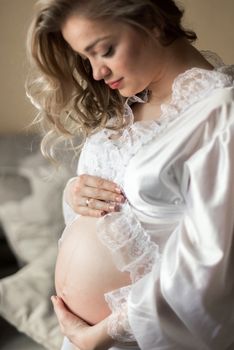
93, 207
61, 311
103, 195
70, 325
95, 181
86, 211
67, 319
102, 205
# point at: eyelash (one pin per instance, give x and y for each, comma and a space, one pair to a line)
109, 52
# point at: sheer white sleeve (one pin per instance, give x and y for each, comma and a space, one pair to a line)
132, 251
189, 304
68, 213
118, 324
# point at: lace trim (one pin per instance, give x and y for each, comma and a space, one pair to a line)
132, 251
131, 247
118, 325
192, 86
187, 89
212, 57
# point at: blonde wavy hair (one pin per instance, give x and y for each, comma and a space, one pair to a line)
60, 83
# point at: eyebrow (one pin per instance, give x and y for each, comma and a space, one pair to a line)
91, 46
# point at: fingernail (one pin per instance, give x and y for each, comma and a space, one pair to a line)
120, 199
118, 190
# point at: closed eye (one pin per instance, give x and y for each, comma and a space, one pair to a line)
109, 52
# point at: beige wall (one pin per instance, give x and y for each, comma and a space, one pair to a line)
211, 19
15, 110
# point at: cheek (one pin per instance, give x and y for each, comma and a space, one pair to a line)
141, 58
129, 62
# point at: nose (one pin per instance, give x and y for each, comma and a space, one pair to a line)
100, 71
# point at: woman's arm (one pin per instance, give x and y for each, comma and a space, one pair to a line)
189, 304
80, 334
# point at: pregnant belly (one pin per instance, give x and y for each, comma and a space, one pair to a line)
85, 271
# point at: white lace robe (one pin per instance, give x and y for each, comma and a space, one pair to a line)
175, 233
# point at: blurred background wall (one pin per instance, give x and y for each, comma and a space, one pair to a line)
211, 19
15, 110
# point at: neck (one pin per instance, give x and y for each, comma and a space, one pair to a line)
175, 59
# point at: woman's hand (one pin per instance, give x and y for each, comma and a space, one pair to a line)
80, 334
93, 196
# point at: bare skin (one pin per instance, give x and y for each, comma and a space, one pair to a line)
85, 271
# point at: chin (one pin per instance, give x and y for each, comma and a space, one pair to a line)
128, 93
124, 94
131, 92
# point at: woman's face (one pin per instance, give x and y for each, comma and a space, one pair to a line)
118, 54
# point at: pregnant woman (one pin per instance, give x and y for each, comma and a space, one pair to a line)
157, 117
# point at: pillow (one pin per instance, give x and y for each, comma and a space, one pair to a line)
31, 216
25, 300
14, 148
36, 221
13, 186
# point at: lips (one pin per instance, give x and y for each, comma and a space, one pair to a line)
114, 84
